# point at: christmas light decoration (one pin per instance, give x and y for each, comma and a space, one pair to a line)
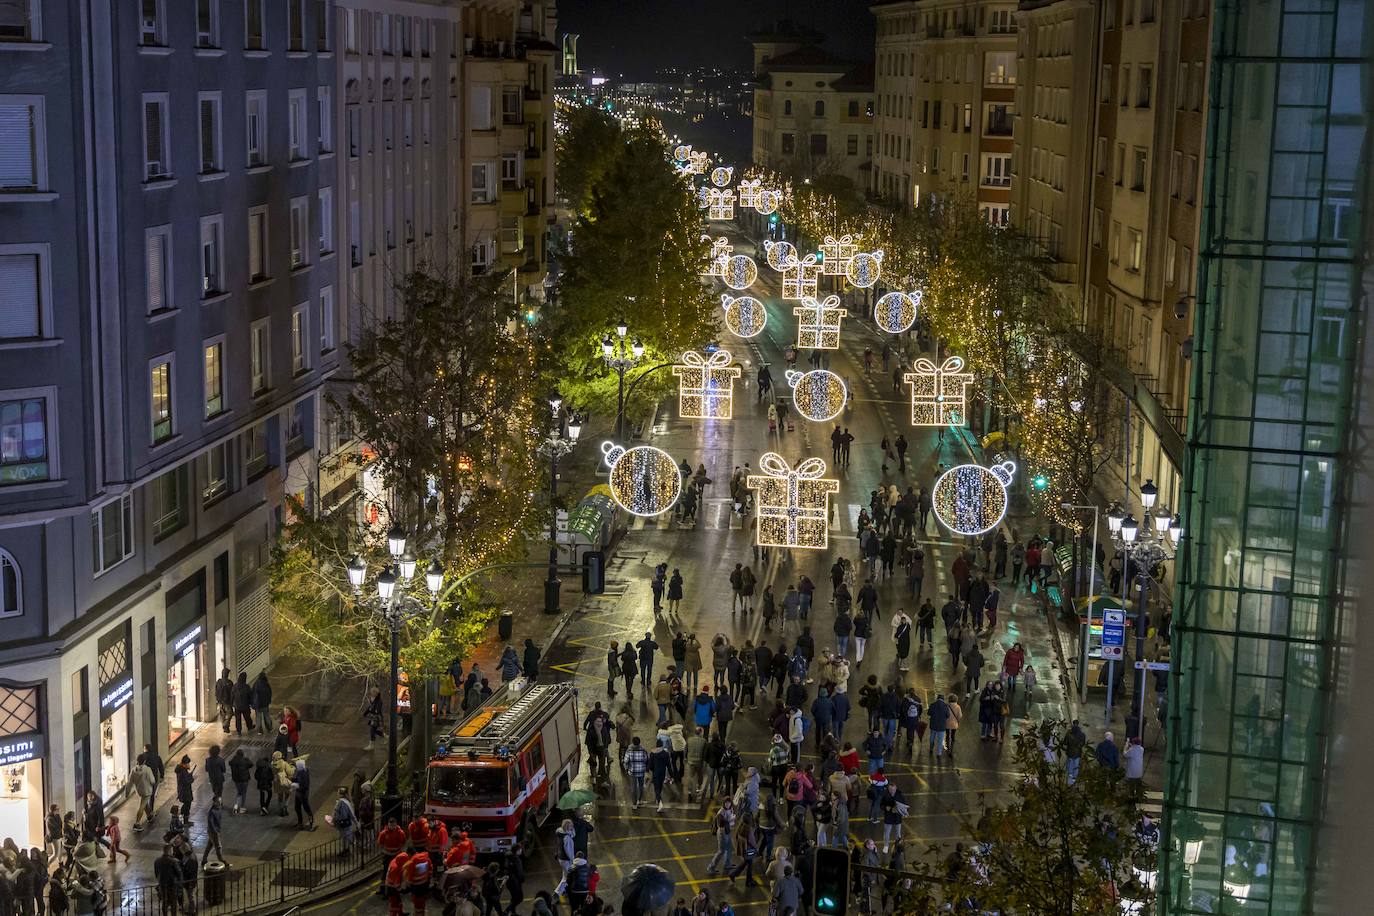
722, 204
793, 504
643, 480
719, 256
779, 254
721, 175
970, 499
799, 277
818, 323
745, 316
740, 272
836, 253
819, 395
749, 193
864, 268
698, 163
939, 394
769, 202
682, 153
703, 197
896, 311
706, 385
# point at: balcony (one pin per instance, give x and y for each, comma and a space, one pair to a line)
998, 126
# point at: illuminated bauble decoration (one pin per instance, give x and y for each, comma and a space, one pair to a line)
793, 504
682, 153
721, 175
939, 394
896, 311
703, 197
706, 385
740, 272
779, 254
865, 268
745, 316
970, 499
836, 253
818, 323
644, 480
799, 278
819, 395
769, 201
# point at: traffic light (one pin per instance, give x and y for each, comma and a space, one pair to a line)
773, 219
1040, 481
830, 881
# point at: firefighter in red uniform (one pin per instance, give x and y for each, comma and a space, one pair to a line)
392, 842
437, 843
395, 883
464, 852
418, 872
419, 833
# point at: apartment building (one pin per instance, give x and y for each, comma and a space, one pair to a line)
170, 264
894, 98
813, 112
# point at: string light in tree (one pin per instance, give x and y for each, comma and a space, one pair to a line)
745, 316
779, 254
722, 203
721, 175
643, 480
970, 499
800, 277
706, 385
939, 394
793, 504
836, 253
894, 312
864, 269
818, 323
819, 395
749, 193
740, 272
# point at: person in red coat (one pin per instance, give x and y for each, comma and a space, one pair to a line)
419, 833
396, 882
436, 844
463, 852
392, 842
419, 870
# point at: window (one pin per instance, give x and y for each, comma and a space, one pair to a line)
819, 109
483, 190
214, 378
999, 117
322, 16
255, 450
1115, 252
819, 144
112, 530
152, 26
1102, 155
23, 440
1109, 16
11, 596
300, 232
324, 136
157, 245
851, 145
19, 20
255, 25
1000, 23
1138, 161
23, 306
511, 105
510, 171
326, 319
23, 164
1190, 180
166, 500
997, 169
326, 220
296, 122
211, 153
1104, 88
788, 145
300, 333
1097, 227
295, 426
211, 255
999, 68
1119, 176
479, 111
481, 255
787, 107
258, 357
207, 23
996, 214
1136, 254
256, 108
160, 392
853, 108
1147, 10
296, 25
1175, 171
257, 244
510, 234
1144, 86
157, 162
1125, 87
968, 117
214, 471
1170, 260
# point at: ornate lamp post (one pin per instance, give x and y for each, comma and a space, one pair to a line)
557, 445
621, 358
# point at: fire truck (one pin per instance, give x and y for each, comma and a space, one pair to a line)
502, 769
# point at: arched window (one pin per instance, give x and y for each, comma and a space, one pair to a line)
352, 92
424, 88
11, 596
787, 106
820, 108
388, 89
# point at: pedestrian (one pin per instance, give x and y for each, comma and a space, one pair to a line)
291, 718
224, 698
300, 783
730, 765
243, 704
704, 709
629, 668
990, 604
894, 808
241, 772
636, 761
1018, 558
748, 581
167, 874
692, 663
660, 766
923, 506
1000, 555
372, 715
1073, 745
973, 669
262, 703
513, 865
509, 664
901, 636
263, 778
723, 825
612, 667
647, 647
345, 820
216, 768
1028, 681
144, 783
185, 777
113, 835
862, 630
675, 591
925, 624
1012, 664
530, 662
419, 871
956, 721
214, 827
900, 444
725, 713
916, 571
769, 607
1107, 753
1133, 761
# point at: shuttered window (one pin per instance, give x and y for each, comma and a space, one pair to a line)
158, 242
155, 137
18, 145
20, 301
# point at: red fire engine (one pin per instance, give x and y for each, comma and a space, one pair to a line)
502, 769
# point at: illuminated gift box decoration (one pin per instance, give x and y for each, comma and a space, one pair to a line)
818, 323
779, 254
799, 277
706, 386
749, 193
740, 272
836, 253
722, 204
939, 394
719, 257
745, 316
721, 175
793, 504
698, 163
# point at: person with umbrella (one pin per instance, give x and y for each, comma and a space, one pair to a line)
645, 889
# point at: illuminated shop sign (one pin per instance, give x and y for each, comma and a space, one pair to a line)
20, 748
187, 641
116, 694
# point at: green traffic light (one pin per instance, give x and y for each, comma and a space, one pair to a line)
1040, 481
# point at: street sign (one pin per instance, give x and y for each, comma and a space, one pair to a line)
1114, 616
1153, 666
1113, 634
1112, 653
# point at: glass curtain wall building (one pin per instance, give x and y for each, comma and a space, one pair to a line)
1264, 608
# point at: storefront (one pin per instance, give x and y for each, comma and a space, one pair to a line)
115, 737
185, 691
22, 752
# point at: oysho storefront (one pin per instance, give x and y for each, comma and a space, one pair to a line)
23, 749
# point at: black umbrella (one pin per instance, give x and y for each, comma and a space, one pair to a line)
646, 888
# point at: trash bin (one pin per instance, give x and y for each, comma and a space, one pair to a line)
214, 883
505, 625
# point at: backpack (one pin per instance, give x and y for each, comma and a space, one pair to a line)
806, 726
913, 709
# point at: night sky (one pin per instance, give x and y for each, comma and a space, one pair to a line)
637, 36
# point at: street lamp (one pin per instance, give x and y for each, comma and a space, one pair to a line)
557, 445
620, 358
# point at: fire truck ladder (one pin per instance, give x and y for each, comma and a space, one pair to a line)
513, 725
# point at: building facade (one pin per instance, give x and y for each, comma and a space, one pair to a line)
813, 113
894, 94
1277, 469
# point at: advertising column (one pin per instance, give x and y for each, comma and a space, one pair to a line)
22, 751
116, 720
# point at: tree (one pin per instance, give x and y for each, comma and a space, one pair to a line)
442, 398
1055, 849
587, 144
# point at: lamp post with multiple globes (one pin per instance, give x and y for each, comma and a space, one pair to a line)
621, 357
559, 443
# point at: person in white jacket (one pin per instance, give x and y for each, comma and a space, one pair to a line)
796, 733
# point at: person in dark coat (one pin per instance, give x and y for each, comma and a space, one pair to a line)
186, 786
514, 864
531, 661
241, 772
243, 704
262, 703
629, 667
264, 779
216, 768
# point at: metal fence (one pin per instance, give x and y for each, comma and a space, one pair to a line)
262, 887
